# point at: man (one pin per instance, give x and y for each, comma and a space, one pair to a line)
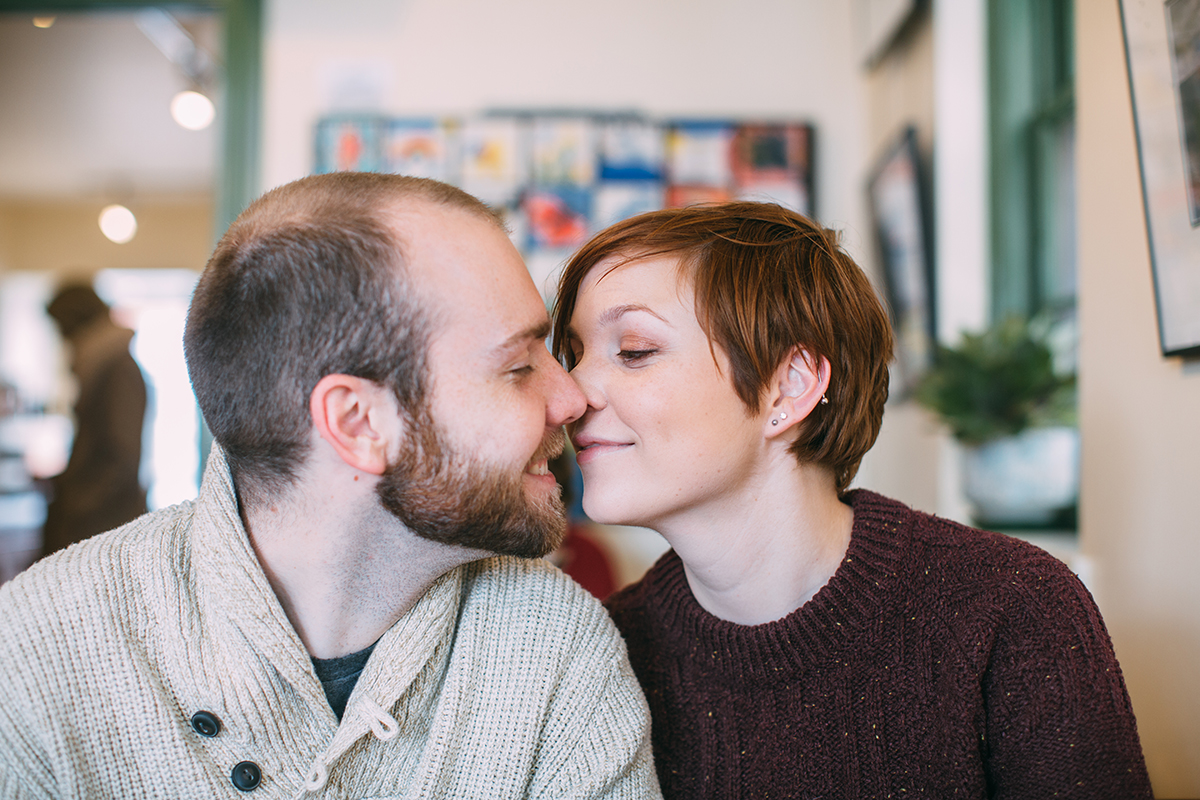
327, 620
99, 489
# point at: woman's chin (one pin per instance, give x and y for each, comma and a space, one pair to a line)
608, 511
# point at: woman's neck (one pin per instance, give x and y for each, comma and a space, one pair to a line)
758, 558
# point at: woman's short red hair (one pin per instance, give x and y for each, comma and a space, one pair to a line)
766, 280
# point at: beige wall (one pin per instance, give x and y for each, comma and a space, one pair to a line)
63, 237
6, 238
1140, 420
704, 58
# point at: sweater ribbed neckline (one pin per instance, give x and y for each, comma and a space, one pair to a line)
815, 632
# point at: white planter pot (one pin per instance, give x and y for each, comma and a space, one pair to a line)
1023, 479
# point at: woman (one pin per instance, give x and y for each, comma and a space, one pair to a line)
800, 639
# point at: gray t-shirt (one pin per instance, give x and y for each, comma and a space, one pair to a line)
338, 676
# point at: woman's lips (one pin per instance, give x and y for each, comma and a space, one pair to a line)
588, 449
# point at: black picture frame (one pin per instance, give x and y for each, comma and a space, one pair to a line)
1164, 82
900, 211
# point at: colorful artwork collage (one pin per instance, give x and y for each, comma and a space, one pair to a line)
560, 178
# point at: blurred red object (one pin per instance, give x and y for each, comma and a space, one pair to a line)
584, 560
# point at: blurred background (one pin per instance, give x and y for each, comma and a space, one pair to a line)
979, 157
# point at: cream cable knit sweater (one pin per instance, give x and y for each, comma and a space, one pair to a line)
504, 680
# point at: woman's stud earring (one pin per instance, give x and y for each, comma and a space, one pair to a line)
783, 416
774, 422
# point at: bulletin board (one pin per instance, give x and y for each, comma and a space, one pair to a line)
558, 178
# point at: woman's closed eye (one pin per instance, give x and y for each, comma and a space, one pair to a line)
634, 356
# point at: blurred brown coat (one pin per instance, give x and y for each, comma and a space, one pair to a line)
99, 489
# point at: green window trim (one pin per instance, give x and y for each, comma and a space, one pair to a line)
1031, 142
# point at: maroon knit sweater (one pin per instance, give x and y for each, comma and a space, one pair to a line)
939, 661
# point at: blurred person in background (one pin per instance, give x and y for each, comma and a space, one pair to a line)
99, 489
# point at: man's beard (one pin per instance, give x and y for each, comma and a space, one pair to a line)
444, 496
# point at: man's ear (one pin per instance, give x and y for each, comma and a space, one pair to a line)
358, 418
798, 387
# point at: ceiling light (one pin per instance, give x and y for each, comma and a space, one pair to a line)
192, 110
43, 22
118, 223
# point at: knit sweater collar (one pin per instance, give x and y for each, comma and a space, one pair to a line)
237, 600
815, 632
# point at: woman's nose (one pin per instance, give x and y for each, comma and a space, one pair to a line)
584, 375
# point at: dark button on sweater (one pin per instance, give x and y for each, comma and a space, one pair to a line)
206, 723
246, 776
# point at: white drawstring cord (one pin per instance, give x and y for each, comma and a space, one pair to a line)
316, 777
318, 774
383, 724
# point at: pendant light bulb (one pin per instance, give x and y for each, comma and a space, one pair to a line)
118, 223
192, 110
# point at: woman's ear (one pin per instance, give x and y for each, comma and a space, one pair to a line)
358, 418
799, 386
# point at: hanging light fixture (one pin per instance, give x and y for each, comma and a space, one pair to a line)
118, 224
192, 110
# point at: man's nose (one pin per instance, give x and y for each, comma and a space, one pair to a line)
566, 402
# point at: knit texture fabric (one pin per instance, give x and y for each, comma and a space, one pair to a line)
505, 680
938, 661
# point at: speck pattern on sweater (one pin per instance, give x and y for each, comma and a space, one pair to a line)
938, 661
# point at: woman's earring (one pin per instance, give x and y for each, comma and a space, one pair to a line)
824, 400
774, 422
782, 415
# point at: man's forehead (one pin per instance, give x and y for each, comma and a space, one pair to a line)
467, 268
434, 239
416, 218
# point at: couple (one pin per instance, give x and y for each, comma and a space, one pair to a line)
350, 608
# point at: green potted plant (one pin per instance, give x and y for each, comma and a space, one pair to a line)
1002, 397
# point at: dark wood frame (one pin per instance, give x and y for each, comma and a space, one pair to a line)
922, 322
1173, 239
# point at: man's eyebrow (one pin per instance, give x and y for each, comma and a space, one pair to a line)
539, 330
613, 314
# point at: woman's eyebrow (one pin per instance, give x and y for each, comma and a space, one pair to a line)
613, 314
616, 312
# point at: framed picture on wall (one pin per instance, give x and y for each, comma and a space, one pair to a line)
494, 157
350, 142
1162, 49
564, 151
418, 147
698, 153
898, 205
631, 149
773, 162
